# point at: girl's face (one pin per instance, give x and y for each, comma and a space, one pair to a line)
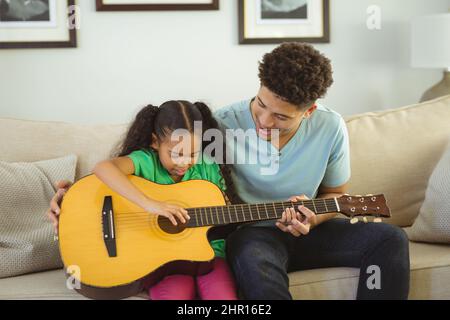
178, 153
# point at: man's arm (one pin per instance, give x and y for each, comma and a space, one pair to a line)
326, 193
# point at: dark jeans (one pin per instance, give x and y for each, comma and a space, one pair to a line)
261, 257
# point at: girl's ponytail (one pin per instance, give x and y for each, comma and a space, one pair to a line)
209, 122
139, 134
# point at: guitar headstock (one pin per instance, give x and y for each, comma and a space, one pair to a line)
369, 205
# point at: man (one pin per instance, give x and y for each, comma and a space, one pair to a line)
313, 161
311, 143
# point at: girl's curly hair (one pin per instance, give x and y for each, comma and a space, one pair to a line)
162, 121
296, 72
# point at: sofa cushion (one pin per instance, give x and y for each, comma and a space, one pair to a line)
25, 140
394, 152
49, 285
26, 236
430, 275
433, 222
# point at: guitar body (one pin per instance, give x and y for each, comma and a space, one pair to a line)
145, 250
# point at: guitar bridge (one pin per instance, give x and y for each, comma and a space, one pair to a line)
109, 233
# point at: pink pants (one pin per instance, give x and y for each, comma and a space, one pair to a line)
216, 285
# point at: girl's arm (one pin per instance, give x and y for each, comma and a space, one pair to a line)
114, 173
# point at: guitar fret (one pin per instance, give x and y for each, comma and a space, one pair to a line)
223, 215
293, 205
235, 211
250, 210
274, 209
243, 213
284, 209
196, 217
326, 208
217, 216
257, 210
314, 205
211, 215
265, 208
201, 216
206, 216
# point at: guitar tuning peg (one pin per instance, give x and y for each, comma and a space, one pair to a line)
365, 219
377, 220
346, 194
354, 220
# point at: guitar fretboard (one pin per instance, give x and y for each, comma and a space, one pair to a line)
221, 215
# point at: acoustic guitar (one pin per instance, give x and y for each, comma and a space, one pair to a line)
111, 247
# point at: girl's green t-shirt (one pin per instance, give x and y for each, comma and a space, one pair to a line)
147, 165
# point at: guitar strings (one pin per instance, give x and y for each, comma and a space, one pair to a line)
137, 221
244, 213
248, 208
216, 212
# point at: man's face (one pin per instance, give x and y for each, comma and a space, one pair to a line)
271, 112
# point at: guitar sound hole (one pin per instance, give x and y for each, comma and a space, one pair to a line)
168, 227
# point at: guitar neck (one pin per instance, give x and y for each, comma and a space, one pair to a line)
221, 215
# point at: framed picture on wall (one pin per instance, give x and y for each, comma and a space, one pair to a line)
136, 5
38, 24
276, 21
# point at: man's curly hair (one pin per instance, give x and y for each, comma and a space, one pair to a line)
296, 72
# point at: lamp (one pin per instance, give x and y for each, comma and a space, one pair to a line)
430, 48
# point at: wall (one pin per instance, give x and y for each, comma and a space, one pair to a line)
127, 59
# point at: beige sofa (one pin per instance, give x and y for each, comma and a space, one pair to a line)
392, 152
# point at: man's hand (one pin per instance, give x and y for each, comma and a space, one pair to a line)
297, 223
54, 210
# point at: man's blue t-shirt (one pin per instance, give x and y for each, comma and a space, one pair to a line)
318, 154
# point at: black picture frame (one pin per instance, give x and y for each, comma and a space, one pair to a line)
129, 6
325, 38
71, 42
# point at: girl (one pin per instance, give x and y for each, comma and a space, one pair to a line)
149, 152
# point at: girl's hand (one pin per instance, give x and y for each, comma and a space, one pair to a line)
294, 222
169, 211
